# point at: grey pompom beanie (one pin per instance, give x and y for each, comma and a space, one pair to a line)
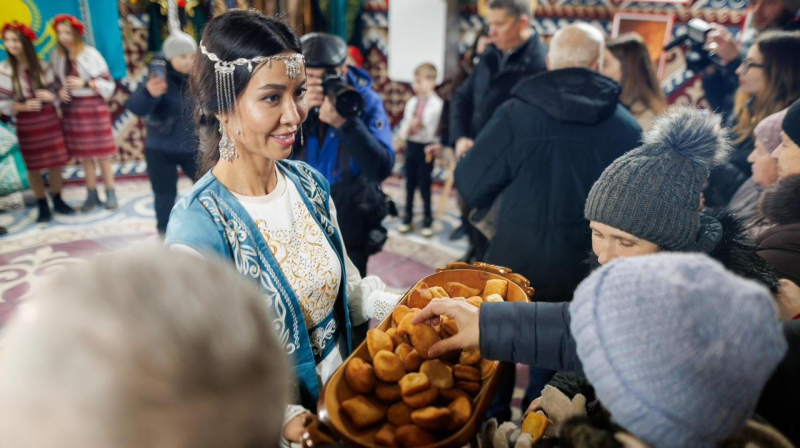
178, 43
653, 192
677, 348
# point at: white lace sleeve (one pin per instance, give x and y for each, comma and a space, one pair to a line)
366, 297
292, 411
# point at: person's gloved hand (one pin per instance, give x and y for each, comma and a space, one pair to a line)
507, 435
558, 408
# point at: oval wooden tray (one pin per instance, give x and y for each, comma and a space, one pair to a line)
337, 389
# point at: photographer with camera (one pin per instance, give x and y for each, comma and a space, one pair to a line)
720, 80
347, 138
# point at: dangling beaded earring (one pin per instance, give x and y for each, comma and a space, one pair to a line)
227, 150
302, 143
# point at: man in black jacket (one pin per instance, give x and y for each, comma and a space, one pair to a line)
543, 150
514, 53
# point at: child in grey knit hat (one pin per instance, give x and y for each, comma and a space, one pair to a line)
677, 348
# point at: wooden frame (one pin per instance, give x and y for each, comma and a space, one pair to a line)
625, 22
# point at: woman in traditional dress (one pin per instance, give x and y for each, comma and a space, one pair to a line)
28, 93
272, 217
86, 85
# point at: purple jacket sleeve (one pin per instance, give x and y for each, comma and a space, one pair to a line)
536, 334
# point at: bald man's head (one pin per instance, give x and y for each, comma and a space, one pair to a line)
577, 45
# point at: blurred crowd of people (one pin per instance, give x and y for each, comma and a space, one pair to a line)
663, 241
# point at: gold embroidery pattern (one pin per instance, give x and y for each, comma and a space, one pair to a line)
303, 255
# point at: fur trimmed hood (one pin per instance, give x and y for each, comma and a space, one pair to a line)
781, 203
738, 253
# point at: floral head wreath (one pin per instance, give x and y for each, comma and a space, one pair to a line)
226, 95
22, 28
71, 20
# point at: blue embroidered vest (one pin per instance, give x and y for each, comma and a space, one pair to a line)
210, 219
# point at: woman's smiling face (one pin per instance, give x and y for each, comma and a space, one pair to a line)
270, 110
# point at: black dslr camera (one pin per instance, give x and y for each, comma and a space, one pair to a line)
697, 57
322, 50
345, 99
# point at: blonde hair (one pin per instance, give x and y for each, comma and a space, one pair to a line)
140, 349
426, 70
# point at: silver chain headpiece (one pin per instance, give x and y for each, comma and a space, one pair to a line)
226, 93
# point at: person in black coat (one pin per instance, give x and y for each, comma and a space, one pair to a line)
542, 151
515, 52
165, 105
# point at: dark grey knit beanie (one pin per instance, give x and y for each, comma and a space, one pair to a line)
653, 192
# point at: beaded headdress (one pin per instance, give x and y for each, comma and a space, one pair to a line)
226, 93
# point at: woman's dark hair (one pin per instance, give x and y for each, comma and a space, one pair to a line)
35, 71
232, 35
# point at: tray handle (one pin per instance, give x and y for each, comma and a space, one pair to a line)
317, 434
510, 275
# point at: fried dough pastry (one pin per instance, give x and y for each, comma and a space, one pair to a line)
496, 286
360, 376
422, 399
388, 366
411, 358
412, 435
466, 373
399, 414
460, 409
388, 392
414, 383
535, 424
405, 326
475, 301
396, 340
439, 374
469, 387
452, 394
456, 289
420, 297
423, 336
399, 313
377, 340
493, 298
362, 412
438, 292
386, 436
432, 418
470, 356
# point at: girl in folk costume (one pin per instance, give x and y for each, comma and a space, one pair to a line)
27, 92
272, 217
86, 85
